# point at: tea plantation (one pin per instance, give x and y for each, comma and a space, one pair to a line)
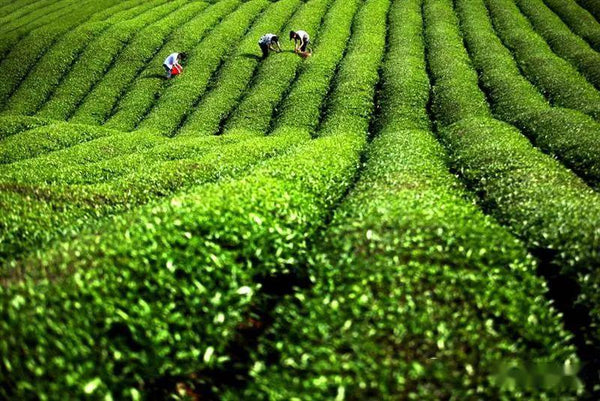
410, 213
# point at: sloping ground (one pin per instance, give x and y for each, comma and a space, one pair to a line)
410, 213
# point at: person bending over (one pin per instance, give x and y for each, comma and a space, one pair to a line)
301, 40
171, 64
269, 42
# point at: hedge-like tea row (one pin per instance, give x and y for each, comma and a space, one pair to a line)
71, 165
11, 36
149, 174
118, 9
51, 69
44, 14
41, 16
592, 6
48, 72
235, 75
192, 160
11, 125
578, 19
97, 58
456, 90
140, 98
318, 71
163, 168
180, 98
98, 103
170, 320
255, 111
558, 80
16, 9
47, 138
161, 178
544, 204
405, 87
562, 40
225, 154
412, 285
23, 10
144, 165
299, 110
155, 161
107, 157
568, 134
25, 54
32, 216
169, 308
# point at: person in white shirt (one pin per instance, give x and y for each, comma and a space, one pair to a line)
173, 62
301, 40
269, 42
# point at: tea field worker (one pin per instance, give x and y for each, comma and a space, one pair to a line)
269, 42
301, 40
171, 64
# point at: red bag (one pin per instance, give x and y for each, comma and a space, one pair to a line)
176, 70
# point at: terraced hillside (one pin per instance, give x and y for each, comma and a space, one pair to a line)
411, 213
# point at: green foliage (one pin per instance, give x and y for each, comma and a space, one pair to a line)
376, 323
18, 12
47, 138
405, 84
34, 215
562, 40
47, 10
140, 98
370, 325
572, 137
52, 67
32, 18
558, 80
255, 111
134, 260
100, 101
72, 165
544, 204
97, 58
15, 9
11, 125
578, 19
591, 6
123, 9
454, 80
301, 109
176, 102
568, 134
130, 180
235, 75
565, 198
201, 159
142, 158
541, 202
24, 54
172, 280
